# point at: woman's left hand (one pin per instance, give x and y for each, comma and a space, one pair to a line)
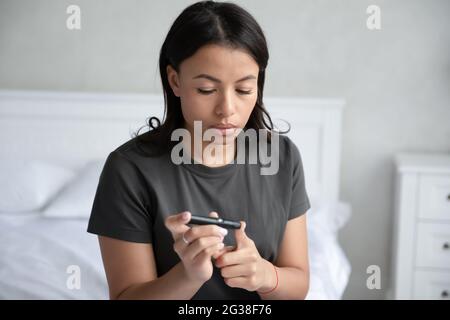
244, 267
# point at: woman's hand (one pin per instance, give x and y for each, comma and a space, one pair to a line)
244, 267
203, 242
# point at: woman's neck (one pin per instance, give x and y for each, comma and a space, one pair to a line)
211, 154
225, 156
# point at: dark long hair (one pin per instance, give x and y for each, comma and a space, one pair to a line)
202, 23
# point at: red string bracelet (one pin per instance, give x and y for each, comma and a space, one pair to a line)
276, 272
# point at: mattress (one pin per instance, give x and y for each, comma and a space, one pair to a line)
55, 258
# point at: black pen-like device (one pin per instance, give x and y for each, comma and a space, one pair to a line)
224, 223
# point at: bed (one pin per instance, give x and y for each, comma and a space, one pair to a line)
53, 148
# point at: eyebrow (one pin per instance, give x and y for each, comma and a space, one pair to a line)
207, 76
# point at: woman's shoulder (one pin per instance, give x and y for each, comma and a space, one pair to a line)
289, 152
147, 144
286, 143
138, 150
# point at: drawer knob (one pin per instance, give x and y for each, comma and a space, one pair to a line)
444, 294
445, 246
448, 197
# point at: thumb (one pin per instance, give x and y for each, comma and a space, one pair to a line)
240, 234
177, 223
213, 214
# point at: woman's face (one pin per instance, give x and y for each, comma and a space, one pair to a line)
218, 86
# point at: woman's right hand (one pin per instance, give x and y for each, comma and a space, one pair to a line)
204, 242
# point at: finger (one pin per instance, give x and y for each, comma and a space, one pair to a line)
209, 230
177, 223
238, 270
201, 244
180, 244
240, 235
237, 282
233, 257
224, 250
213, 214
208, 252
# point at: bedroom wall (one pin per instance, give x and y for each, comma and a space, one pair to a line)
395, 80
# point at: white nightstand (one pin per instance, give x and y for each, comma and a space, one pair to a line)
421, 252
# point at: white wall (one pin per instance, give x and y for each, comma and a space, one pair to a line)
396, 80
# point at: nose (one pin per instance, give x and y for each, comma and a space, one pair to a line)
225, 108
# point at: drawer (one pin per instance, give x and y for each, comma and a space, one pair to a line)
431, 285
434, 196
433, 245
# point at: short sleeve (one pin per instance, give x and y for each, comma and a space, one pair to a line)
299, 199
121, 204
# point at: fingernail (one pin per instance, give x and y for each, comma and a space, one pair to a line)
223, 231
185, 215
221, 245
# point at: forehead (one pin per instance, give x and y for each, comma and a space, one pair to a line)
219, 61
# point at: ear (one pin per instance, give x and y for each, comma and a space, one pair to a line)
172, 78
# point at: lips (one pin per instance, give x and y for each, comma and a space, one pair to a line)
225, 129
223, 126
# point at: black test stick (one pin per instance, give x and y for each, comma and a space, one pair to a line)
228, 224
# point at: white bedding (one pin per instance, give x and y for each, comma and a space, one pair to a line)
35, 253
329, 267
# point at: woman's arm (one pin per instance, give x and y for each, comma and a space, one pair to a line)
131, 273
292, 264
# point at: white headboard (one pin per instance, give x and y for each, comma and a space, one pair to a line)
72, 128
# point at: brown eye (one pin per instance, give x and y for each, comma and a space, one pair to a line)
205, 92
243, 92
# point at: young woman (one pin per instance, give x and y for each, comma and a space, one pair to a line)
212, 66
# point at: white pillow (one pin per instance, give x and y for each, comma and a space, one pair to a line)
329, 265
76, 199
29, 185
328, 215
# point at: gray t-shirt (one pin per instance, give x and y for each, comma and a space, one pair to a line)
136, 193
